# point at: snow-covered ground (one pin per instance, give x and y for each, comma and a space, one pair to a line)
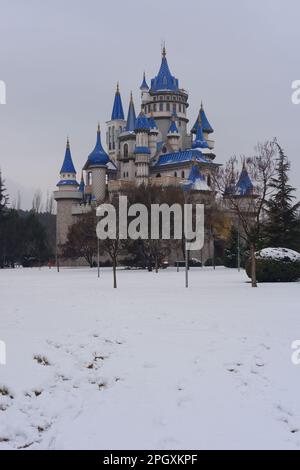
150, 365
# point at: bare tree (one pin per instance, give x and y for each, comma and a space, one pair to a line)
37, 202
49, 203
249, 209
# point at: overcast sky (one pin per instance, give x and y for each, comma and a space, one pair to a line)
61, 60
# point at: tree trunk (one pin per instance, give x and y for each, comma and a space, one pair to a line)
115, 273
253, 265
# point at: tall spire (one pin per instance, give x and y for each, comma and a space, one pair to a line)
131, 117
164, 80
244, 186
67, 172
117, 112
144, 85
199, 141
206, 127
68, 166
82, 184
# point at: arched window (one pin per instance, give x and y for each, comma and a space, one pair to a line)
182, 174
208, 180
125, 150
168, 106
158, 175
164, 149
175, 174
161, 106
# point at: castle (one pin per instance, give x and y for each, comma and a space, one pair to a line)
154, 147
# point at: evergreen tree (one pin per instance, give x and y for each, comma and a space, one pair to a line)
282, 228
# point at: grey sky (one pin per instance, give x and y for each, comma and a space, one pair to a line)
61, 60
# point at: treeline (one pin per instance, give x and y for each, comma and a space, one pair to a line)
27, 238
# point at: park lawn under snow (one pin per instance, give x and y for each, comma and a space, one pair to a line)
151, 365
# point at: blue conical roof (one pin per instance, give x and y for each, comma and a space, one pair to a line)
199, 141
152, 123
117, 112
144, 85
131, 117
142, 123
68, 166
206, 127
82, 184
164, 80
173, 128
98, 155
244, 185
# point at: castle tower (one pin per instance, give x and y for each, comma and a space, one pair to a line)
153, 136
142, 151
206, 127
115, 126
96, 169
127, 144
199, 142
173, 136
166, 99
66, 196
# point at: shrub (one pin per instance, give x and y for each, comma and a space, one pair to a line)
272, 266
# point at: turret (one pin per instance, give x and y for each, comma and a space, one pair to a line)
96, 168
142, 150
115, 126
244, 186
153, 136
144, 90
173, 135
131, 117
200, 142
206, 127
66, 196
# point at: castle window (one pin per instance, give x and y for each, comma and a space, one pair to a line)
164, 149
175, 174
161, 106
168, 106
158, 175
174, 108
154, 107
182, 174
125, 150
168, 98
208, 180
89, 178
180, 108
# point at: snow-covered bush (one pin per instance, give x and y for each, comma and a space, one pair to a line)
276, 265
